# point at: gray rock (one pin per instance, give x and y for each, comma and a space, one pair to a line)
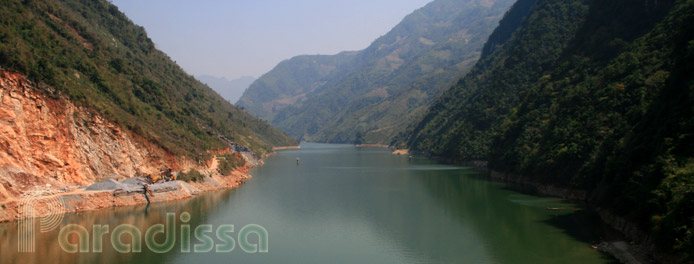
108, 184
135, 181
165, 186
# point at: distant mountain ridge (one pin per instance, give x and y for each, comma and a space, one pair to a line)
373, 94
231, 90
291, 82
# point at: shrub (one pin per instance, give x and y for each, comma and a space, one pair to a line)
192, 176
229, 162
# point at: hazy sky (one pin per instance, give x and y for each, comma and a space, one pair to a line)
235, 38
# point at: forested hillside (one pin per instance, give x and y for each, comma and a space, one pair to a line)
92, 53
458, 124
571, 94
381, 89
292, 82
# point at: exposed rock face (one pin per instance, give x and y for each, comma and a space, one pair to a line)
44, 141
78, 201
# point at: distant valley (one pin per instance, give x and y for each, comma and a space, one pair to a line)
370, 96
231, 90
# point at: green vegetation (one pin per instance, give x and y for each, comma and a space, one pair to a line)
91, 52
569, 94
291, 82
229, 162
675, 197
379, 90
458, 123
191, 176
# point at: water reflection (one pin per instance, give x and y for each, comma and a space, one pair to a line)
142, 217
347, 205
516, 225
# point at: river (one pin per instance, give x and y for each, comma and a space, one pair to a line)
343, 204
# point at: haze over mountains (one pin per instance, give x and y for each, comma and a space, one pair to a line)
374, 93
231, 90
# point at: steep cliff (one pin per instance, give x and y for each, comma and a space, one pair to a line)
49, 141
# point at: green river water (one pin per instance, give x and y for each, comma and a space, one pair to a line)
349, 205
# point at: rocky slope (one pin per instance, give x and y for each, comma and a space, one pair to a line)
99, 59
85, 95
52, 149
50, 141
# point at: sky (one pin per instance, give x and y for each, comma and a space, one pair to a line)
234, 38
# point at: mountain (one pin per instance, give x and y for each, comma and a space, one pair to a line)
456, 125
94, 55
373, 93
569, 95
231, 90
290, 82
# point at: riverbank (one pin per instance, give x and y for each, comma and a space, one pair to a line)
401, 152
631, 246
286, 148
371, 146
79, 200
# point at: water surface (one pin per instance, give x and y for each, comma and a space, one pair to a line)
352, 205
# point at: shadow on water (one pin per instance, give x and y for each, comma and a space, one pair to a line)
580, 224
584, 225
519, 225
577, 221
